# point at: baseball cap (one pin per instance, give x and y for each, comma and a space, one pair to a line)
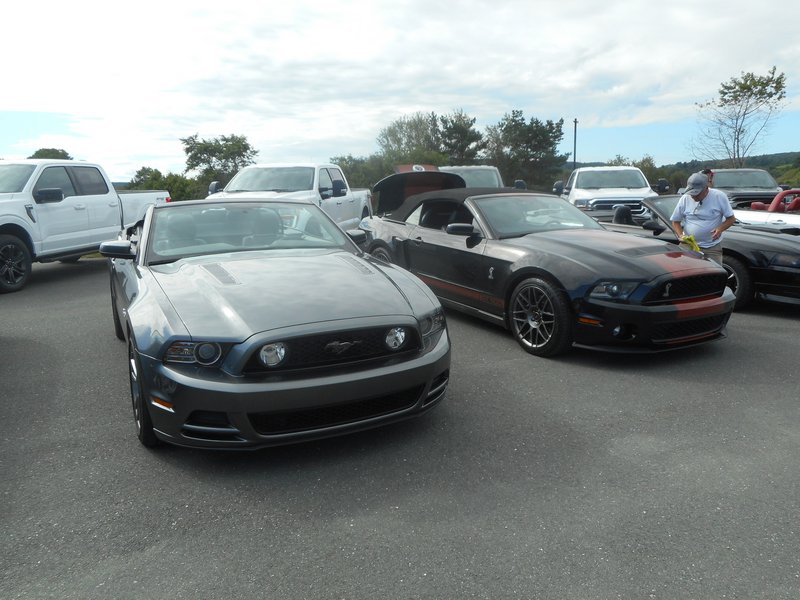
696, 183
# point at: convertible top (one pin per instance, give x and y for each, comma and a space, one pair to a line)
454, 195
391, 192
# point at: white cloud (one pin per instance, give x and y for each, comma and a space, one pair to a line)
309, 80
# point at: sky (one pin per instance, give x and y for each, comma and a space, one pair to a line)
121, 83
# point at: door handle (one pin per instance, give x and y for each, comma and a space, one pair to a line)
417, 241
80, 207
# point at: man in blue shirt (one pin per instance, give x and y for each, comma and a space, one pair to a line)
704, 213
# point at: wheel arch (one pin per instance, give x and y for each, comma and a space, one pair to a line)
21, 233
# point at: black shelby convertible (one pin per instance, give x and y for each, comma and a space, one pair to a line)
259, 322
761, 260
552, 275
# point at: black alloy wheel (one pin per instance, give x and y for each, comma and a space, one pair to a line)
540, 318
141, 414
381, 253
739, 281
15, 264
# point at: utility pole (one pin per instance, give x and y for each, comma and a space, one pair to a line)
574, 144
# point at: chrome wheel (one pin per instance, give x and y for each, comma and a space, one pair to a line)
540, 318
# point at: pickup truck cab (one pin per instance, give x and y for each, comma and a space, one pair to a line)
59, 210
597, 190
323, 184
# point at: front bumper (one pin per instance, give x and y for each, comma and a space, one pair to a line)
228, 412
617, 327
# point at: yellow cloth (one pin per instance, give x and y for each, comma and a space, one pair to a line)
690, 241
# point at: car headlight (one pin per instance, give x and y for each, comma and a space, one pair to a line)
201, 353
791, 261
614, 290
431, 326
581, 203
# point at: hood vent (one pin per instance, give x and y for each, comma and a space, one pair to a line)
360, 265
221, 274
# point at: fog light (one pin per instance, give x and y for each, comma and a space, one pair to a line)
395, 338
272, 354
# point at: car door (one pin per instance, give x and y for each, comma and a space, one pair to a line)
64, 224
328, 203
102, 203
346, 204
453, 266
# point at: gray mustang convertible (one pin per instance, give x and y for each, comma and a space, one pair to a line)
256, 323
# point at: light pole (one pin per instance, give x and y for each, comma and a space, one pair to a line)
574, 143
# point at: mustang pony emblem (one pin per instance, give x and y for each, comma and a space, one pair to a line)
338, 347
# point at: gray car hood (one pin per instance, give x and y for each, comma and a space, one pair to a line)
235, 295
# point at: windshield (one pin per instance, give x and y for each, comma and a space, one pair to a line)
14, 177
515, 215
744, 179
272, 179
182, 230
664, 206
613, 178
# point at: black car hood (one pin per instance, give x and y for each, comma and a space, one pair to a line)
235, 295
390, 192
612, 254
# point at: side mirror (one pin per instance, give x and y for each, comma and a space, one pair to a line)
520, 184
118, 249
663, 186
654, 226
558, 188
357, 235
48, 195
339, 188
463, 229
214, 187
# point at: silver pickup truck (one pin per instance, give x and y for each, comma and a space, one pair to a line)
60, 210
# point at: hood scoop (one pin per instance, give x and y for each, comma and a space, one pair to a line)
221, 274
352, 260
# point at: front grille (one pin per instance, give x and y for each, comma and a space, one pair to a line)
320, 350
329, 416
668, 332
687, 287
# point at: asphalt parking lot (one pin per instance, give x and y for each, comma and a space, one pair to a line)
587, 476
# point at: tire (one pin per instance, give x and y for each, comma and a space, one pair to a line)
118, 331
15, 264
540, 318
141, 413
739, 280
381, 253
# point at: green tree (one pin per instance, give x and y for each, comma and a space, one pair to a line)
364, 172
526, 149
55, 153
736, 119
459, 139
412, 138
179, 186
217, 159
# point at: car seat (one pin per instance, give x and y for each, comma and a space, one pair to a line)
794, 205
267, 227
622, 215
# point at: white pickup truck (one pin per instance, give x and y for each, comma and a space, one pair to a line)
597, 190
59, 210
323, 184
